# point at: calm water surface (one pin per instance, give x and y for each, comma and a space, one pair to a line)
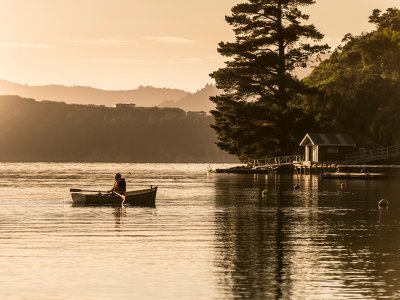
212, 236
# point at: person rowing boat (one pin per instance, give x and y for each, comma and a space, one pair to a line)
119, 185
143, 197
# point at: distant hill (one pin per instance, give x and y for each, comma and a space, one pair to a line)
199, 101
54, 131
142, 96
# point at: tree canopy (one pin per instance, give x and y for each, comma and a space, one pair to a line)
259, 112
359, 85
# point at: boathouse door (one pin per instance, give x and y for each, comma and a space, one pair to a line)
308, 153
314, 153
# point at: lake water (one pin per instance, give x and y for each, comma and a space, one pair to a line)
212, 236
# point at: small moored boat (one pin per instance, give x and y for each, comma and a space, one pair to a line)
145, 197
350, 175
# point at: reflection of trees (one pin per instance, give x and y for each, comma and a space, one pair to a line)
251, 246
318, 241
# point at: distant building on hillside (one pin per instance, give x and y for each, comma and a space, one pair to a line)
327, 147
125, 105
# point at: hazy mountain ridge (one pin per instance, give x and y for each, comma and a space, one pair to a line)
143, 96
199, 101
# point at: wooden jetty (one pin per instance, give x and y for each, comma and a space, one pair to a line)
294, 164
360, 164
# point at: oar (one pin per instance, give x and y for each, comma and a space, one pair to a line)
79, 190
122, 197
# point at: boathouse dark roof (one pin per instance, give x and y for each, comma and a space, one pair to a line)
328, 139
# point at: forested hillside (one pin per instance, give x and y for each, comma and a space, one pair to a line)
52, 131
358, 87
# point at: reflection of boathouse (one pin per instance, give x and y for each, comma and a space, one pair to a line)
327, 147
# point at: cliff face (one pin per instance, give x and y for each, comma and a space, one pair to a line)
52, 131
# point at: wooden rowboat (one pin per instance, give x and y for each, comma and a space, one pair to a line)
146, 197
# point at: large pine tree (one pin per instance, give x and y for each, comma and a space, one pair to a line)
259, 112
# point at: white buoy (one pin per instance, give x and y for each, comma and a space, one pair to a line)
383, 202
343, 185
264, 192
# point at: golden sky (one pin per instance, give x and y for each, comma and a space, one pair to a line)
122, 44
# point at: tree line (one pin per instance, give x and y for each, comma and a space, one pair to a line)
265, 110
54, 131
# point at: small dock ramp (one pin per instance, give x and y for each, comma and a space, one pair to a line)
265, 165
273, 163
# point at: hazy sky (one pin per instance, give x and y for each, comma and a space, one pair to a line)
121, 44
